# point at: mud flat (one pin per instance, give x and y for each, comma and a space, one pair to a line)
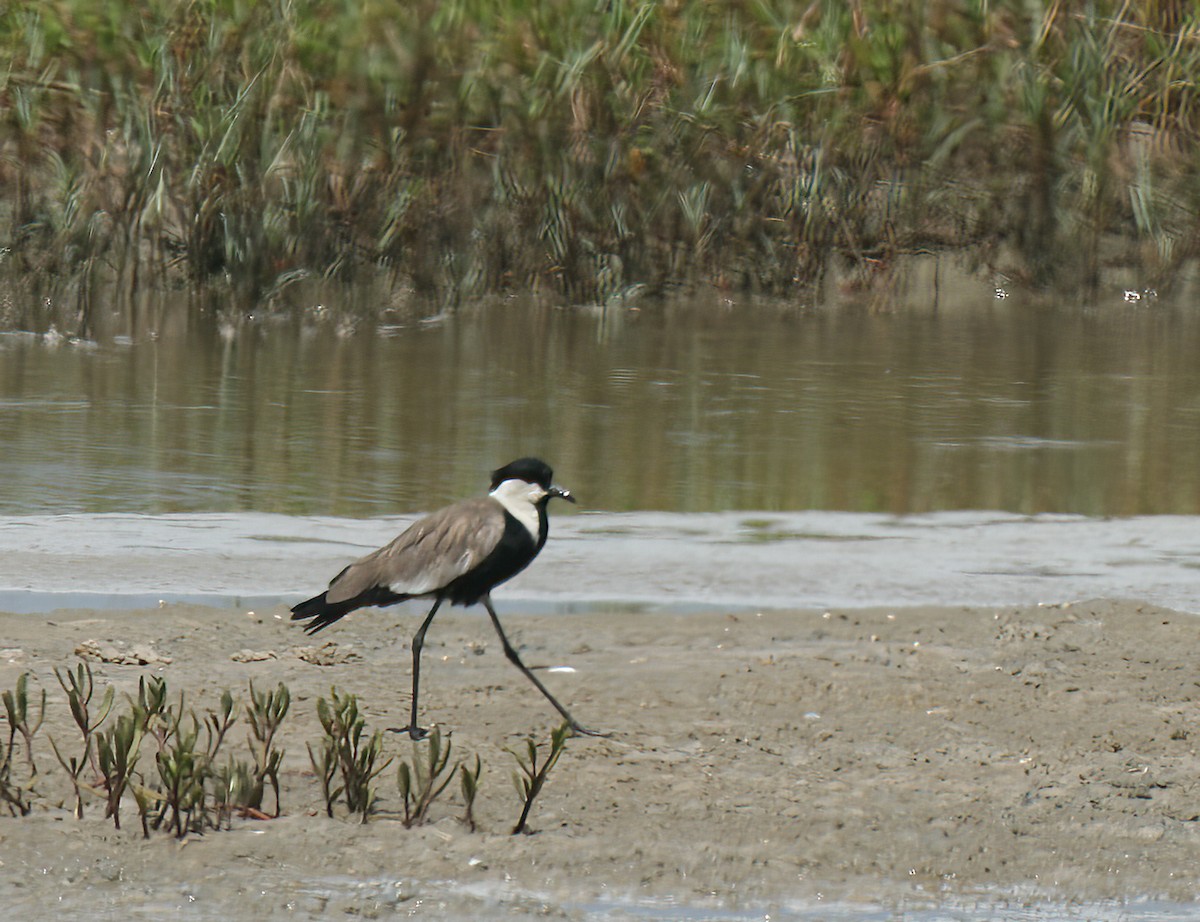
872, 762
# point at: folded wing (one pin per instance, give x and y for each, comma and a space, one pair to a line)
426, 557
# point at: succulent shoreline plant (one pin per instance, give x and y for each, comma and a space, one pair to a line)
185, 775
426, 778
530, 777
344, 751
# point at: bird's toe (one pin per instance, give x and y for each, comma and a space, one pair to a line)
579, 730
416, 733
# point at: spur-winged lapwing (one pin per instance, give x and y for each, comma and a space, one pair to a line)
458, 554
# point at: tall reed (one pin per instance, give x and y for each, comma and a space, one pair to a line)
590, 149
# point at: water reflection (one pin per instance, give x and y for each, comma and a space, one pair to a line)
947, 402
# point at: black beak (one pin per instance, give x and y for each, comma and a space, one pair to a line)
562, 492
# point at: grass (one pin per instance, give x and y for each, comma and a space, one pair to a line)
590, 150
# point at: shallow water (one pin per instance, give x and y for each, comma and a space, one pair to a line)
733, 454
455, 899
624, 562
940, 397
999, 908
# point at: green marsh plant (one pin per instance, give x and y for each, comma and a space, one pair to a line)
17, 795
17, 710
233, 789
118, 749
187, 765
193, 782
425, 779
469, 783
14, 795
183, 771
80, 688
530, 776
217, 723
265, 713
344, 751
150, 708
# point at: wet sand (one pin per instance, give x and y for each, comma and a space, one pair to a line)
757, 764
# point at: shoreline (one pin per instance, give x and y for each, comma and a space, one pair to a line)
715, 560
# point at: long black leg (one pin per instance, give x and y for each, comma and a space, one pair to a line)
418, 642
516, 661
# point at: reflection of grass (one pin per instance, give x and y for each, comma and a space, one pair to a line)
766, 537
589, 149
607, 607
758, 524
610, 530
765, 531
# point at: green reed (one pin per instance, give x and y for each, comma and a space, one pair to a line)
589, 150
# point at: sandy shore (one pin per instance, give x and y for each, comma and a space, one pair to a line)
756, 764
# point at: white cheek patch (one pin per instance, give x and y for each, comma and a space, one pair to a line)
520, 499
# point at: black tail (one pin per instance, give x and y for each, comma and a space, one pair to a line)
322, 613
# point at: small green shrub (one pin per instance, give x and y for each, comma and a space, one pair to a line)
79, 688
118, 749
422, 782
343, 750
530, 777
469, 780
18, 795
265, 712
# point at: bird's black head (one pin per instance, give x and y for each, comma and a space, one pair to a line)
531, 470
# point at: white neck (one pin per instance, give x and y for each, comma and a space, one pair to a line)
520, 499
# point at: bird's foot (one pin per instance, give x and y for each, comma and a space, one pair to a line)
580, 730
416, 733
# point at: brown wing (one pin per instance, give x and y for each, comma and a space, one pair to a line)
429, 554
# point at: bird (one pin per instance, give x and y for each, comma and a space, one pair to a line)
458, 554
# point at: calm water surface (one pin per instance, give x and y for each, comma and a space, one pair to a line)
947, 399
772, 453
